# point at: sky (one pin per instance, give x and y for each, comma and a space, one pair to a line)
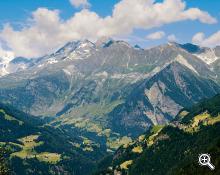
33, 28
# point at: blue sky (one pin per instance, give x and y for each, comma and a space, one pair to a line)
17, 14
17, 11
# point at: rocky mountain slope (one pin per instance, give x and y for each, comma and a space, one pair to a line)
174, 148
109, 88
208, 55
158, 100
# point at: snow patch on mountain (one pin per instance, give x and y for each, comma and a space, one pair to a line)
52, 61
208, 56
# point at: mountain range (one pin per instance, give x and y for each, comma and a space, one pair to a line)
99, 96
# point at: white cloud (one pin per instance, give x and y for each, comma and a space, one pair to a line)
80, 3
211, 41
6, 54
172, 38
46, 31
156, 36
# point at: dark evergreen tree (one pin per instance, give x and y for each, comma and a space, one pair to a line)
3, 164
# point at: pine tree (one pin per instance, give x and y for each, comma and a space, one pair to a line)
3, 165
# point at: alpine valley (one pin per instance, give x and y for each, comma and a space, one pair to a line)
70, 111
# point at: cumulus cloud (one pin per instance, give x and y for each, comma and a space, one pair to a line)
7, 55
45, 30
80, 3
156, 36
172, 38
211, 41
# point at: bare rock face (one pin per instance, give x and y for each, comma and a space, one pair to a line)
159, 99
161, 103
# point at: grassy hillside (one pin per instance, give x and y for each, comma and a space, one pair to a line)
174, 149
34, 148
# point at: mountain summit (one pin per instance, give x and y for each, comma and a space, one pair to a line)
83, 74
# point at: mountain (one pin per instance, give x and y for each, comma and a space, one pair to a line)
107, 88
79, 50
87, 99
216, 68
208, 55
158, 100
49, 79
174, 148
85, 49
35, 148
192, 48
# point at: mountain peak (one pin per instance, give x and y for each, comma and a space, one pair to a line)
104, 39
72, 45
192, 48
101, 42
85, 44
137, 47
124, 43
106, 42
18, 60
